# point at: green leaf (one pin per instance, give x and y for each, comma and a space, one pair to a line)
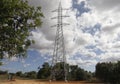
15, 13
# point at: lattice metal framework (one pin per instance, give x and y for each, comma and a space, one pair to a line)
59, 67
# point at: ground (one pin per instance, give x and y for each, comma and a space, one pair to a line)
42, 82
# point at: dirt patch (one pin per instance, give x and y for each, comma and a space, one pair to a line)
43, 82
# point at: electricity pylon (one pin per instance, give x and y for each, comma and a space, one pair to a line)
58, 66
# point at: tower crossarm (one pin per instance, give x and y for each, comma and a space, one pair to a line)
61, 8
60, 16
63, 24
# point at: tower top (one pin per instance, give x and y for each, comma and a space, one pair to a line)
60, 6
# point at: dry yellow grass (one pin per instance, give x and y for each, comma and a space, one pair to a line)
42, 82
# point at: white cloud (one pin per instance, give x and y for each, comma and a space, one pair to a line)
104, 12
107, 13
75, 39
106, 5
110, 56
82, 63
26, 65
14, 59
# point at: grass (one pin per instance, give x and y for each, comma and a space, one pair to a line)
18, 80
45, 82
3, 77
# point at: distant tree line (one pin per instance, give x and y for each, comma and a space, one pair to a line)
3, 72
28, 75
20, 74
108, 72
75, 73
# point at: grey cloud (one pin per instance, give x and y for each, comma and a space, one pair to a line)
45, 35
105, 5
111, 28
80, 41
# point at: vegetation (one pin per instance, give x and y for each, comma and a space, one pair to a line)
3, 72
44, 72
3, 75
31, 75
26, 75
75, 73
19, 73
0, 63
17, 19
108, 72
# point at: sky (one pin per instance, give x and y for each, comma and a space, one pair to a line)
93, 35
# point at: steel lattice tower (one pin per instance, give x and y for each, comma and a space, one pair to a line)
59, 58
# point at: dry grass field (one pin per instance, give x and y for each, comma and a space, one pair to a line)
42, 82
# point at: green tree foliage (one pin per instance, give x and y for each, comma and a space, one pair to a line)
108, 72
3, 72
75, 72
19, 73
28, 75
0, 63
31, 75
44, 72
60, 73
17, 19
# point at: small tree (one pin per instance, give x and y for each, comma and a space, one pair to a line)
44, 72
19, 73
31, 74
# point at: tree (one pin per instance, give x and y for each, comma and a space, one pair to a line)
73, 72
0, 63
31, 74
108, 72
19, 73
3, 72
17, 19
60, 71
76, 73
44, 72
117, 73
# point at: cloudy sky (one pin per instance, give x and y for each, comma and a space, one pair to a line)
93, 34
